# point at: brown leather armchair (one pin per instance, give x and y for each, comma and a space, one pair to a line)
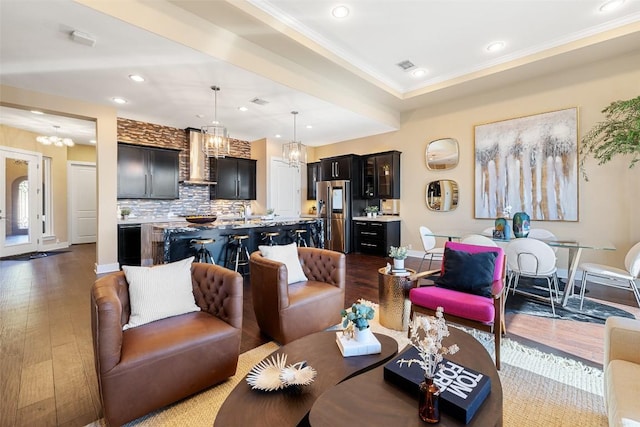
150, 366
288, 312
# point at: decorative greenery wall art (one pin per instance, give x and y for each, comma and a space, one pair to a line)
619, 133
530, 164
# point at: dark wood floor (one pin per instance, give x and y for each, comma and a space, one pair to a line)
47, 374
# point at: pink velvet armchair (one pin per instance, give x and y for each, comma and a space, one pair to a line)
470, 290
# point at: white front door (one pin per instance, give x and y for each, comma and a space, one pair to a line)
285, 189
20, 204
82, 202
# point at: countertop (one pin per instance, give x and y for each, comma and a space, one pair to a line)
234, 223
379, 218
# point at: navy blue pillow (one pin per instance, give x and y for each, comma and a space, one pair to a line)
467, 272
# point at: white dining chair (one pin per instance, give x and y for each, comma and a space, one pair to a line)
616, 277
429, 246
534, 259
544, 235
478, 240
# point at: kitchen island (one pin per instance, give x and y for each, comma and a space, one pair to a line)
171, 241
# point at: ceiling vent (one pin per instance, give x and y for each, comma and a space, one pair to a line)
406, 65
259, 101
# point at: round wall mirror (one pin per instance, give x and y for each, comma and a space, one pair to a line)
442, 154
442, 195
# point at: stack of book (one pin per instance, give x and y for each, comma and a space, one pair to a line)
400, 272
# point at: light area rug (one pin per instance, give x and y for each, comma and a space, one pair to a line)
539, 389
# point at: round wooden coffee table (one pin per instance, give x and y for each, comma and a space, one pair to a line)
247, 407
369, 399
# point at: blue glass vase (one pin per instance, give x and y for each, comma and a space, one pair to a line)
521, 224
501, 229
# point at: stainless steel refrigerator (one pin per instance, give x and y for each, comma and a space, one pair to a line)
334, 202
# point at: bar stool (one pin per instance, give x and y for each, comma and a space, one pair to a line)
300, 241
268, 236
203, 255
241, 258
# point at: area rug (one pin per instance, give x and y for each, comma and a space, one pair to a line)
592, 311
538, 389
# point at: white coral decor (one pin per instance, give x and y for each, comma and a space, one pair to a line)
429, 342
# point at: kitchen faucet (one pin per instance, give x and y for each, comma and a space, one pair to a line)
242, 208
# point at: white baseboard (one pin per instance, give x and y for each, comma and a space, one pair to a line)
53, 246
106, 268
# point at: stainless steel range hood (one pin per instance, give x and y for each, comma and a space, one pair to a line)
197, 160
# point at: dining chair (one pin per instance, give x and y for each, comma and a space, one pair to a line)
429, 246
477, 239
534, 259
616, 277
470, 290
543, 234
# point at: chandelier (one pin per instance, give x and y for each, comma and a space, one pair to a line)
215, 136
294, 152
55, 139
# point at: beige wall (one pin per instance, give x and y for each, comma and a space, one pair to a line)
82, 153
608, 202
106, 159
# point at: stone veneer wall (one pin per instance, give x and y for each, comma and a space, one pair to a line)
194, 199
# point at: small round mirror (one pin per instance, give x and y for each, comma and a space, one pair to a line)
442, 154
442, 195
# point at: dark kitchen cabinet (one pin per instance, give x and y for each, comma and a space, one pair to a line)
313, 176
129, 244
235, 178
381, 176
375, 237
340, 168
147, 173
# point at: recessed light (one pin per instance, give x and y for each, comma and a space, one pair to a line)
119, 100
340, 12
420, 72
37, 112
495, 46
136, 78
611, 5
93, 141
243, 109
278, 135
309, 127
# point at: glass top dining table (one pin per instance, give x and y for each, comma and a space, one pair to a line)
574, 247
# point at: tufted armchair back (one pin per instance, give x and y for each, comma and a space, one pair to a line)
288, 312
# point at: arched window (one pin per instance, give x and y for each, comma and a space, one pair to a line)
23, 204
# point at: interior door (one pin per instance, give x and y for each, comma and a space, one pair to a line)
285, 189
20, 204
82, 202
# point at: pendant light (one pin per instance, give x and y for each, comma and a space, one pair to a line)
55, 139
215, 136
294, 152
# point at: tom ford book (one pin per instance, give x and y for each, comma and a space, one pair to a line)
462, 390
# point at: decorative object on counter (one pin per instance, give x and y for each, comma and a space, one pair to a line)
372, 211
269, 214
294, 152
619, 133
521, 224
426, 334
357, 338
200, 219
501, 228
125, 212
273, 374
399, 254
216, 137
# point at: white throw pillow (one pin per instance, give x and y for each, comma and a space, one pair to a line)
159, 292
287, 254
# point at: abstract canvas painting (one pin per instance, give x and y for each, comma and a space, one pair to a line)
528, 164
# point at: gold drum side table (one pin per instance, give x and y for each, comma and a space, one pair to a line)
393, 294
